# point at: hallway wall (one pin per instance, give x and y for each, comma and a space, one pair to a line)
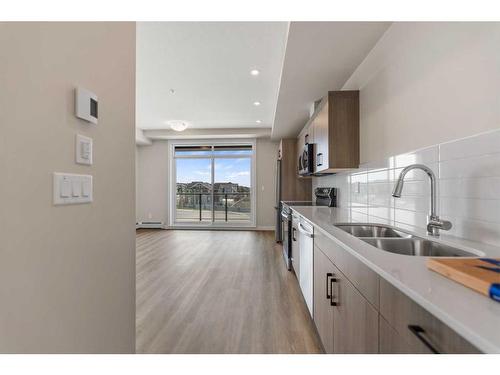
67, 273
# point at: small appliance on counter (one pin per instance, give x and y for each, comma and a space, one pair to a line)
326, 197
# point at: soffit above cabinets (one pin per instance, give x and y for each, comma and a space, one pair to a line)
201, 72
320, 57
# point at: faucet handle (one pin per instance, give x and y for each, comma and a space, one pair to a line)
435, 224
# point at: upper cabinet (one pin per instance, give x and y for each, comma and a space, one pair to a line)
334, 131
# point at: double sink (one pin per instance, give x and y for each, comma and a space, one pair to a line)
397, 241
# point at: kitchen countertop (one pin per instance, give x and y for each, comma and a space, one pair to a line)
472, 315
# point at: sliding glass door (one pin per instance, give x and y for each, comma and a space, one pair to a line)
213, 184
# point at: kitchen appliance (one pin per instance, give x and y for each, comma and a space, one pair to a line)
306, 160
324, 197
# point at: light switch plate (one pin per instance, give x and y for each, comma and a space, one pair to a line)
83, 150
72, 188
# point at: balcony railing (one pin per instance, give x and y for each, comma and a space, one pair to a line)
225, 207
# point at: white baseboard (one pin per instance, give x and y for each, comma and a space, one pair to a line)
149, 225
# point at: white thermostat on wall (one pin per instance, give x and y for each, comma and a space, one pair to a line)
86, 105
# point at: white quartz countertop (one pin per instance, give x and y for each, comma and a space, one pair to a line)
472, 315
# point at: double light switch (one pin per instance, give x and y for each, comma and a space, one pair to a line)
72, 188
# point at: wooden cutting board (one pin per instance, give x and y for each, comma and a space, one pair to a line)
481, 274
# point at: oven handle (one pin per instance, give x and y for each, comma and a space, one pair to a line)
304, 231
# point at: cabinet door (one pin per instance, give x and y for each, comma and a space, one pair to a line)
321, 140
355, 320
323, 312
391, 342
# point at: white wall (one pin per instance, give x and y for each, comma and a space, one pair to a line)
267, 152
153, 180
67, 273
423, 87
426, 83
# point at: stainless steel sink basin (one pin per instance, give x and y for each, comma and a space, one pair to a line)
398, 241
417, 247
372, 230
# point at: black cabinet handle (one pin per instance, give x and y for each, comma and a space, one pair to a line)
318, 158
420, 333
293, 234
328, 275
332, 302
306, 139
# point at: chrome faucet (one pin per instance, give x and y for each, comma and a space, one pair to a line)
434, 224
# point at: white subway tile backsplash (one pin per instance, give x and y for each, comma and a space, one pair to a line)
468, 172
413, 203
481, 231
475, 209
486, 143
411, 218
473, 167
381, 212
425, 156
479, 188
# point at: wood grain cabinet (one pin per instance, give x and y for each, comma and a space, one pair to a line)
323, 311
346, 321
356, 311
293, 188
414, 329
334, 131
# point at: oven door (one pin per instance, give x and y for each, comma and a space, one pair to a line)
286, 222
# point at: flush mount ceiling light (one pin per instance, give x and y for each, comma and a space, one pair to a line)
254, 72
256, 103
178, 125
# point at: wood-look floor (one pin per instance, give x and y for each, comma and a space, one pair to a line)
218, 292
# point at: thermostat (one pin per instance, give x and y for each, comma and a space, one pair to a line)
86, 105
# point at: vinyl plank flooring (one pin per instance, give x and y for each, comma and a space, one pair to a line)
218, 292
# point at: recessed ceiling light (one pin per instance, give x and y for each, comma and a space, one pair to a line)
178, 125
254, 72
256, 104
172, 91
258, 121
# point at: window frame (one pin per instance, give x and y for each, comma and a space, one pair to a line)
172, 193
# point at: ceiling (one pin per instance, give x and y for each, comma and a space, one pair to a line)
320, 56
207, 65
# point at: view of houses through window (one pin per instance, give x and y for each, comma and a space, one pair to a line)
213, 183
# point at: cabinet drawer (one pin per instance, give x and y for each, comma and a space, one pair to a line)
362, 277
423, 332
390, 341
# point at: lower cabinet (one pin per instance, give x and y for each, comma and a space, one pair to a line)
356, 311
323, 309
346, 321
414, 329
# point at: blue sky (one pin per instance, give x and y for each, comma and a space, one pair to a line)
226, 170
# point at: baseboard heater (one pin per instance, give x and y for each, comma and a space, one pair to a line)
150, 224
